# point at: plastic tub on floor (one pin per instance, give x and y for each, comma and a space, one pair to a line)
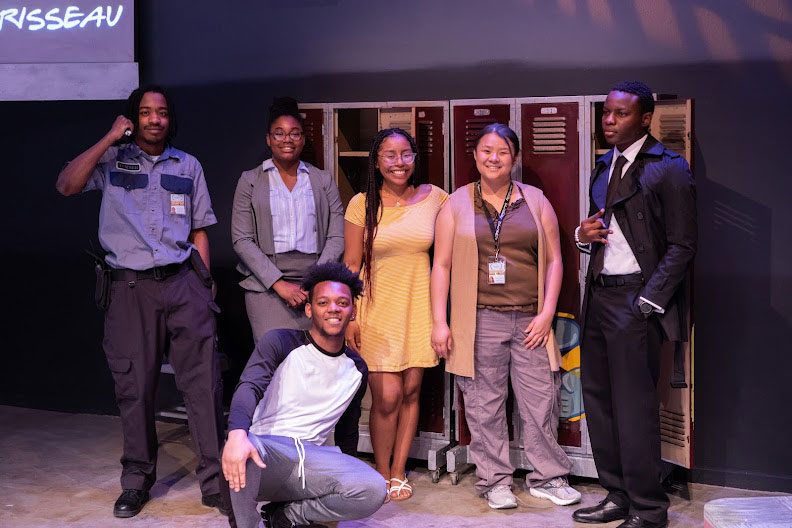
755, 512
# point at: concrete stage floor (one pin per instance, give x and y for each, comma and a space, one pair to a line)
60, 469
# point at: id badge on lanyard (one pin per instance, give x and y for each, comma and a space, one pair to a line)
496, 270
496, 265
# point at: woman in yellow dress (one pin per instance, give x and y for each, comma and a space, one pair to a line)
389, 230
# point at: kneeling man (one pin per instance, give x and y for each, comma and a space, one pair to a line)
293, 391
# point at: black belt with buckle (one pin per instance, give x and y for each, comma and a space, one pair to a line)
157, 273
609, 281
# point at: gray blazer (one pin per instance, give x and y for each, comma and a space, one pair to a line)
251, 225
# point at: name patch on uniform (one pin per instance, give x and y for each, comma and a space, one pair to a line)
177, 204
129, 167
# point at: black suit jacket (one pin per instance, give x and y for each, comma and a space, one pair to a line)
655, 206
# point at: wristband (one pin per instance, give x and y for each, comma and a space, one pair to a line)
577, 237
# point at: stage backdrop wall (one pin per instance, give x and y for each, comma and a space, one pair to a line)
226, 63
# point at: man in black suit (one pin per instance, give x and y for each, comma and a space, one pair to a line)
642, 238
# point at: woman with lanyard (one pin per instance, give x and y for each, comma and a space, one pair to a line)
287, 216
502, 236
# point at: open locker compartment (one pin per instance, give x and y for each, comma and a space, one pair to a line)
355, 126
673, 125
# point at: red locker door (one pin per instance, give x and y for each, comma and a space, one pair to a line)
431, 144
431, 148
313, 152
550, 161
468, 122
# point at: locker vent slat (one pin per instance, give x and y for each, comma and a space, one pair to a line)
473, 126
425, 137
549, 135
672, 428
672, 132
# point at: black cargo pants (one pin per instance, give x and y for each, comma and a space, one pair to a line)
146, 319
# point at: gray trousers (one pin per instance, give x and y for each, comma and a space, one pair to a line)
499, 353
267, 311
337, 486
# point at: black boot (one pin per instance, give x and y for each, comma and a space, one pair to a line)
130, 502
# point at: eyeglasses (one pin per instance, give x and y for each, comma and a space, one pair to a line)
295, 135
391, 159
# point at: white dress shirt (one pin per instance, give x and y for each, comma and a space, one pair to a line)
619, 258
293, 212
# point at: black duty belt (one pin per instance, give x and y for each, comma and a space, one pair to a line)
609, 281
157, 273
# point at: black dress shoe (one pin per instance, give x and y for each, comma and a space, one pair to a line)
130, 502
215, 501
633, 521
604, 512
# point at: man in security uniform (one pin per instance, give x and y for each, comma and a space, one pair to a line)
155, 207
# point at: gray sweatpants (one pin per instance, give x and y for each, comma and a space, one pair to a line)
500, 353
337, 486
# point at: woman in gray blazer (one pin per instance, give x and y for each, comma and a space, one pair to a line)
287, 215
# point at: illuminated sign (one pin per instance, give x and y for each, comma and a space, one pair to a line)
56, 18
69, 31
67, 49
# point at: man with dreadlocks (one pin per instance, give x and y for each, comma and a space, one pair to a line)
155, 286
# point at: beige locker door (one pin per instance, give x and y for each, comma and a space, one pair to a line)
672, 125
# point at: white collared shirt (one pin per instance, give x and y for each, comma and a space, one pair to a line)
619, 258
293, 212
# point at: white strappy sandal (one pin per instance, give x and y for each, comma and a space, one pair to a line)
402, 485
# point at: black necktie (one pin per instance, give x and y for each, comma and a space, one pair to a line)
613, 184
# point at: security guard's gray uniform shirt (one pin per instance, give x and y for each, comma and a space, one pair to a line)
149, 207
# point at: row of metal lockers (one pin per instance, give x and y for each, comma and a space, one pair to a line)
560, 139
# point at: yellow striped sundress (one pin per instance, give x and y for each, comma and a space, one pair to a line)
395, 316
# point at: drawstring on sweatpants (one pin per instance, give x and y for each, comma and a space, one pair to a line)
301, 466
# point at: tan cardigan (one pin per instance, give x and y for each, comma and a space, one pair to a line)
464, 277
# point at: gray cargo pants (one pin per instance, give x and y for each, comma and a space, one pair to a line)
500, 353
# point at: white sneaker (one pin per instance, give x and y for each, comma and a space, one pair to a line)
501, 497
557, 490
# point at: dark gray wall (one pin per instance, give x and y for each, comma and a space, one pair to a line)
225, 64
